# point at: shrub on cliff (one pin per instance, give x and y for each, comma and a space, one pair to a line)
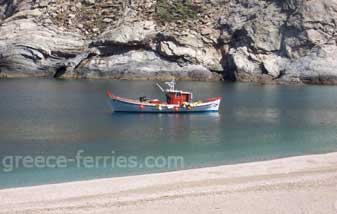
174, 10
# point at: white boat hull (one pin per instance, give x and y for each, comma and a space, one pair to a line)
126, 105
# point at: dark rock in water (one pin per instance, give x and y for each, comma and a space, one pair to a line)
273, 41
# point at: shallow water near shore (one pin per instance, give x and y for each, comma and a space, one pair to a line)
45, 117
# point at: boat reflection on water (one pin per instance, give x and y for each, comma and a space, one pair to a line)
170, 128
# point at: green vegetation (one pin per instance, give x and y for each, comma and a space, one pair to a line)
174, 10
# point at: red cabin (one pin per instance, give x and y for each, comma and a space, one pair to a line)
178, 97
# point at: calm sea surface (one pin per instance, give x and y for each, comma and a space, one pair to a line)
40, 117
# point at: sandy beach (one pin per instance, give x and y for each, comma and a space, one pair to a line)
306, 184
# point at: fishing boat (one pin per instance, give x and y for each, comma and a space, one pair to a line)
177, 101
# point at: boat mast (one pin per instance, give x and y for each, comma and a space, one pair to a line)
160, 87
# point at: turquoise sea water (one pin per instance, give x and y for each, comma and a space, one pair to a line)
41, 117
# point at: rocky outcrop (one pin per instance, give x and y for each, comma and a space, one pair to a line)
139, 64
277, 40
268, 41
319, 66
28, 49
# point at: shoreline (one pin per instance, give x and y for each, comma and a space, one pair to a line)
216, 78
284, 178
156, 78
125, 79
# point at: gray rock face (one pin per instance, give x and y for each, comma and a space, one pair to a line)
133, 34
319, 66
277, 39
191, 49
27, 49
250, 41
138, 64
245, 66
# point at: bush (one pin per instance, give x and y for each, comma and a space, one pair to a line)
174, 10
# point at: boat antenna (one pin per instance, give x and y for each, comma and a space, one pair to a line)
171, 84
160, 87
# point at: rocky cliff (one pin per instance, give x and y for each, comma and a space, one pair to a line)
268, 41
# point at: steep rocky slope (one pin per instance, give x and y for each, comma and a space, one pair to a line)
264, 41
